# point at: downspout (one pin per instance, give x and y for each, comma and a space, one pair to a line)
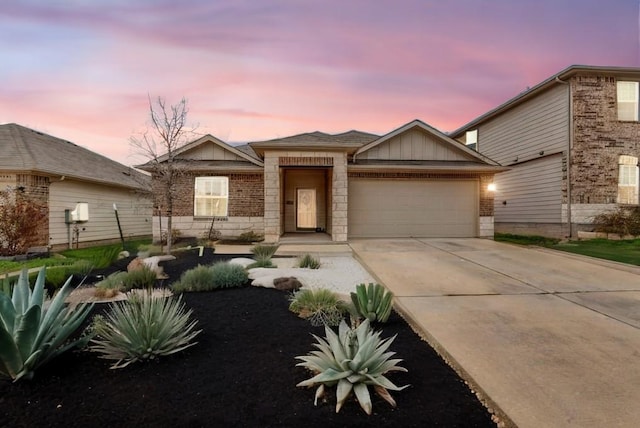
569, 146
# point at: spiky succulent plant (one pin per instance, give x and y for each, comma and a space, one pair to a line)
31, 331
143, 327
372, 302
352, 360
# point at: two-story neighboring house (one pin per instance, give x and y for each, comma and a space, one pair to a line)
572, 144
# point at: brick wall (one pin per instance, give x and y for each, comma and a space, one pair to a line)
599, 139
246, 194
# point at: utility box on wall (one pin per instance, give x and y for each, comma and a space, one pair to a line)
80, 213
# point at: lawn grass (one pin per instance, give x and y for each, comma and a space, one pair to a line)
99, 256
624, 251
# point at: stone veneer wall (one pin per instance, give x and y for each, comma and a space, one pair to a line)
273, 207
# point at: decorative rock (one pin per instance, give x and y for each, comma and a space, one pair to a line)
135, 264
123, 254
153, 264
242, 261
290, 283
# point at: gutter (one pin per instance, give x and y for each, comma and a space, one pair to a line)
569, 146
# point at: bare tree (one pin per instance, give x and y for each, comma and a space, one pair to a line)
160, 144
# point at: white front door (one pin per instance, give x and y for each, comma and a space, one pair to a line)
306, 210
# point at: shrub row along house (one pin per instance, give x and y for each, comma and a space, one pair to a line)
413, 181
73, 183
571, 144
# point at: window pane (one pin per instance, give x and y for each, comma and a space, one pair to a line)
210, 196
627, 97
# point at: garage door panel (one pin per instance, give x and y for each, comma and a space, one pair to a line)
379, 208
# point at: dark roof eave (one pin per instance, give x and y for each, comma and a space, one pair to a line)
430, 168
350, 148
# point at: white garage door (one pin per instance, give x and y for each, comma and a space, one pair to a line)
386, 208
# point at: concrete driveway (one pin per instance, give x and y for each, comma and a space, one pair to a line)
549, 339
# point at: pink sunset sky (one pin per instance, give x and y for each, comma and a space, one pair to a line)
255, 70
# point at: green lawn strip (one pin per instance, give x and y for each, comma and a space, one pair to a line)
627, 251
624, 251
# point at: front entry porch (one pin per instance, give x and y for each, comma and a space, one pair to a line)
305, 195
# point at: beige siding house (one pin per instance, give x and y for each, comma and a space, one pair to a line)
412, 182
62, 175
571, 144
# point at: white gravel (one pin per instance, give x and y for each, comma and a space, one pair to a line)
338, 273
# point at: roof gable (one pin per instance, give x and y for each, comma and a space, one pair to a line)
417, 141
210, 148
26, 150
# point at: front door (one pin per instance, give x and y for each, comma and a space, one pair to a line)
306, 209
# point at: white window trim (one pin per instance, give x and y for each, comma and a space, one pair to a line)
628, 180
200, 182
628, 93
471, 139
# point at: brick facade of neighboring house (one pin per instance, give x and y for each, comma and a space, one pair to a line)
565, 145
599, 139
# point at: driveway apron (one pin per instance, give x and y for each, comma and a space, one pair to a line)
549, 340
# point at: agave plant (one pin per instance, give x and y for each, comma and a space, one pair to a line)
143, 327
352, 360
32, 332
373, 302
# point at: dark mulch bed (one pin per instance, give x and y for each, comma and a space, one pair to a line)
241, 373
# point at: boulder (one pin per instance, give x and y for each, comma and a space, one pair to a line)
242, 261
289, 283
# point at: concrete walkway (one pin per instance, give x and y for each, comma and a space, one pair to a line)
550, 340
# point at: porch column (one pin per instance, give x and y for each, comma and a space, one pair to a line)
339, 196
271, 198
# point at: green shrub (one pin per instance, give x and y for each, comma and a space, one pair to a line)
199, 278
308, 261
373, 302
264, 251
32, 333
250, 236
352, 360
81, 267
111, 285
143, 328
56, 276
262, 263
228, 275
105, 257
139, 278
622, 221
320, 306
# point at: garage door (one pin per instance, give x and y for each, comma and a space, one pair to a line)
385, 208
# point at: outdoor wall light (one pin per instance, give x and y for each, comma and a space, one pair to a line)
491, 187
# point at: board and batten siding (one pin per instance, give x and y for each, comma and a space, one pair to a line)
134, 212
530, 192
413, 145
211, 151
540, 124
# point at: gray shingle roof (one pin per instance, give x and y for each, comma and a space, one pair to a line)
26, 150
317, 138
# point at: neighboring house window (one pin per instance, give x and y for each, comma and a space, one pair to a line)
211, 197
628, 180
471, 139
627, 100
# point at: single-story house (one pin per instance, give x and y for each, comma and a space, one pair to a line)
75, 184
414, 181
